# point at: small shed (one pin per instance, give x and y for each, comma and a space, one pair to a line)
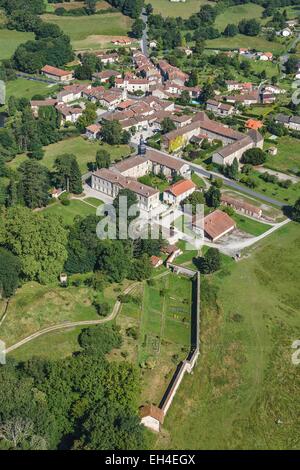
152, 417
63, 279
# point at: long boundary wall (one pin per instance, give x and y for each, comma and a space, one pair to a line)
188, 364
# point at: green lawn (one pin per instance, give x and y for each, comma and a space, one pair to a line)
236, 13
256, 42
288, 156
199, 182
285, 195
186, 257
68, 213
292, 11
84, 150
155, 182
245, 380
87, 31
10, 40
260, 111
183, 10
253, 227
94, 201
270, 68
21, 88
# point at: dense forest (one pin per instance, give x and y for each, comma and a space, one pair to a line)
80, 403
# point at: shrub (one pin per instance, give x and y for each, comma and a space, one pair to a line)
132, 332
102, 308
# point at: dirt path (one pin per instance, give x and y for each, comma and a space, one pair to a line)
64, 325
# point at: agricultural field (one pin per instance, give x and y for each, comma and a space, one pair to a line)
162, 323
259, 43
237, 13
88, 31
21, 88
10, 40
83, 149
288, 156
184, 10
101, 5
245, 380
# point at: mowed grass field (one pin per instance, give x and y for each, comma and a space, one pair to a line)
182, 9
251, 226
245, 380
236, 13
84, 30
288, 156
21, 88
68, 213
10, 40
83, 149
270, 68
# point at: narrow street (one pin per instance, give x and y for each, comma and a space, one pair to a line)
144, 40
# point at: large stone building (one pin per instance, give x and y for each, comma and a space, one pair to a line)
110, 182
201, 125
125, 174
227, 154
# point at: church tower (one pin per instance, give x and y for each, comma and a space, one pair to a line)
142, 147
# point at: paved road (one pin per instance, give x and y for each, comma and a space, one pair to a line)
144, 40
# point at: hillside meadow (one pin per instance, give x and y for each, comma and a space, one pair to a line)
245, 382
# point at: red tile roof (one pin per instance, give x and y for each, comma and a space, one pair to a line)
55, 71
153, 411
181, 187
217, 223
239, 205
253, 124
155, 260
94, 128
